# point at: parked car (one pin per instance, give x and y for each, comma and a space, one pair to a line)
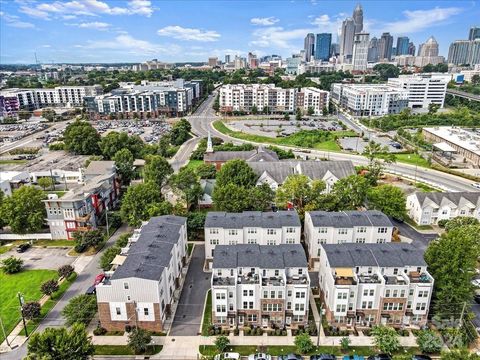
380, 357
99, 278
227, 356
476, 185
476, 282
476, 298
259, 356
353, 357
23, 247
290, 357
421, 357
323, 357
91, 290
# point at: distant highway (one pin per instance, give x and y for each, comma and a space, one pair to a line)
463, 94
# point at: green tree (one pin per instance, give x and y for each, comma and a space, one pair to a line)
221, 343
286, 116
460, 222
24, 115
231, 198
31, 310
388, 199
187, 185
65, 271
262, 197
433, 108
115, 141
48, 114
80, 308
86, 239
351, 191
460, 354
206, 171
475, 79
375, 167
157, 170
49, 287
429, 342
61, 344
81, 138
124, 164
345, 343
386, 71
24, 211
310, 110
180, 132
300, 192
108, 256
385, 339
45, 182
324, 111
138, 340
3, 220
298, 114
254, 110
12, 265
236, 172
304, 343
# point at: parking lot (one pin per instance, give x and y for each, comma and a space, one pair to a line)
42, 258
358, 144
149, 131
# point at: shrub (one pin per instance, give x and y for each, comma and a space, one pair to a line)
429, 342
81, 308
345, 343
128, 328
259, 331
138, 340
65, 271
442, 223
49, 287
221, 343
31, 310
303, 343
246, 330
99, 331
12, 265
123, 240
236, 331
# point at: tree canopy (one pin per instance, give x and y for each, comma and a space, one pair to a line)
81, 138
115, 141
157, 170
236, 172
124, 163
388, 199
187, 185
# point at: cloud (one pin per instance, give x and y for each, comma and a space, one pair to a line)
87, 8
277, 36
181, 33
96, 25
267, 21
15, 21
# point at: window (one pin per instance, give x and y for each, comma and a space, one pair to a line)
372, 292
365, 292
213, 231
361, 229
252, 317
342, 231
395, 271
290, 230
265, 294
289, 293
402, 293
300, 271
370, 304
145, 311
272, 294
251, 241
250, 305
410, 293
300, 295
214, 241
232, 232
289, 305
245, 304
125, 285
382, 230
280, 294
395, 293
271, 242
271, 231
252, 231
277, 272
364, 304
118, 311
360, 240
250, 292
245, 292
230, 294
322, 230
387, 293
299, 307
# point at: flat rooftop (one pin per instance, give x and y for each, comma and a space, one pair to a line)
467, 139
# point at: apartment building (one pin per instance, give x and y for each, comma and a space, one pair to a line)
361, 227
423, 89
312, 98
370, 284
250, 227
260, 285
370, 99
428, 208
9, 106
82, 208
139, 291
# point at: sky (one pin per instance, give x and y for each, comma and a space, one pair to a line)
103, 31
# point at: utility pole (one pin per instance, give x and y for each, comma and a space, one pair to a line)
4, 333
106, 219
21, 301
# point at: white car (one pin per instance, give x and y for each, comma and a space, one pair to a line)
476, 282
259, 356
476, 185
227, 356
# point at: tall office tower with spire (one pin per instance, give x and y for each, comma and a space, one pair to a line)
474, 33
429, 48
358, 18
385, 45
323, 47
360, 51
346, 40
411, 49
402, 45
373, 50
309, 46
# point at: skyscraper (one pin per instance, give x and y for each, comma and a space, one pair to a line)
227, 59
429, 48
464, 52
309, 46
373, 50
411, 49
474, 33
402, 45
346, 39
322, 46
385, 45
360, 51
358, 18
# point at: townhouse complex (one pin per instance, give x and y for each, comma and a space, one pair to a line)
427, 208
370, 99
361, 227
260, 285
218, 158
370, 284
244, 97
13, 100
82, 208
139, 291
250, 227
172, 98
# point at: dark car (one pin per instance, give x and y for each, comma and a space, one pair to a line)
23, 247
421, 357
91, 290
290, 357
323, 357
476, 298
380, 357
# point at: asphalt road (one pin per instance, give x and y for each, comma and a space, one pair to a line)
188, 316
42, 258
420, 240
85, 279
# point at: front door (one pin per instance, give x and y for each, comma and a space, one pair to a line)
264, 322
240, 319
288, 320
231, 321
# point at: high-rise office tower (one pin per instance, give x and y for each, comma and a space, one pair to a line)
335, 49
474, 33
464, 52
402, 45
309, 46
358, 18
360, 51
429, 48
411, 49
227, 59
346, 39
323, 46
373, 50
385, 45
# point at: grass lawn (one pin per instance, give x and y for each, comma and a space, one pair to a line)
60, 242
124, 350
26, 282
193, 164
190, 248
418, 227
412, 159
207, 314
13, 162
303, 139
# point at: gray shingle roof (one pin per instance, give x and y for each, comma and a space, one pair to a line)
221, 219
348, 219
454, 197
383, 255
263, 256
100, 167
259, 154
151, 253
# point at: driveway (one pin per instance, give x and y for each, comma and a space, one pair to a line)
42, 258
419, 240
190, 307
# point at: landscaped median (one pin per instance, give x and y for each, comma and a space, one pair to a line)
124, 350
207, 314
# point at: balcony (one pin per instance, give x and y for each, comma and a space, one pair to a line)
369, 279
249, 279
416, 277
223, 281
298, 280
273, 281
342, 280
394, 280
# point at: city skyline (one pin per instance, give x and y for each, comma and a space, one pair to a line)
137, 30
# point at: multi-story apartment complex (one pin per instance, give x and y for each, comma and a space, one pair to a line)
423, 89
250, 227
139, 291
431, 207
370, 284
370, 99
360, 51
82, 208
9, 106
155, 98
312, 98
260, 285
361, 227
464, 52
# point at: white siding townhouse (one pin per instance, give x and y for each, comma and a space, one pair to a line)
369, 284
139, 292
322, 227
260, 285
250, 227
431, 207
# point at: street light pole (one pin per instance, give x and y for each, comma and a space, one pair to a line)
21, 301
319, 326
4, 333
106, 219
